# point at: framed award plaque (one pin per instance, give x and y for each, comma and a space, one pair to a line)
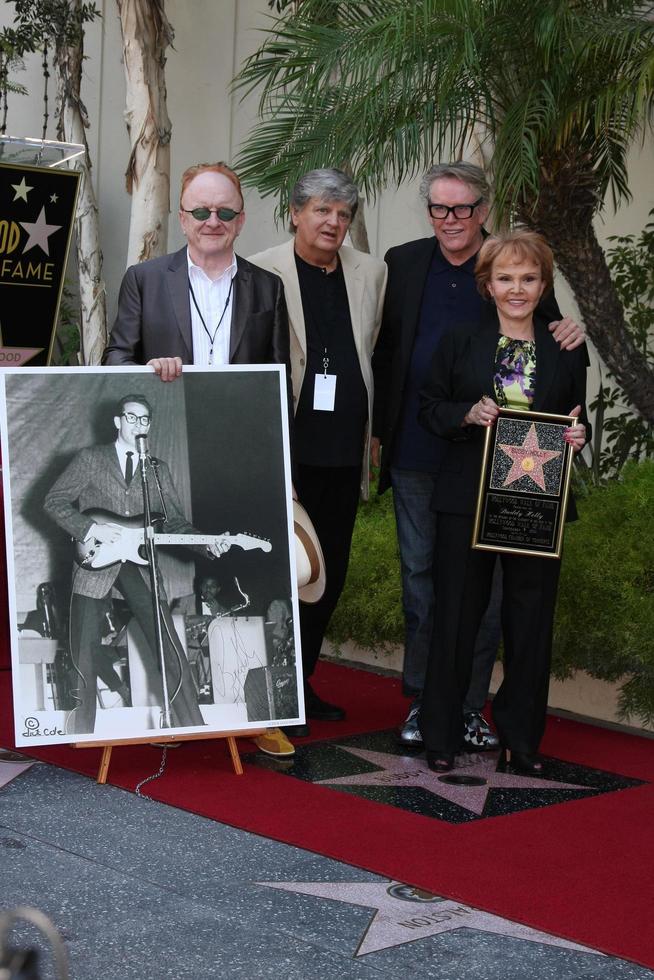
524, 484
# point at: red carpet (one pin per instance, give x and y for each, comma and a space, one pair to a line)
581, 870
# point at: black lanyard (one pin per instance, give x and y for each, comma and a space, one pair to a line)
222, 315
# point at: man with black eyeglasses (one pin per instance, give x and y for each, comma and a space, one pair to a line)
202, 304
101, 481
431, 288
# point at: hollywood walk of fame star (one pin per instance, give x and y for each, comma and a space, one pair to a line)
400, 770
22, 190
404, 914
10, 768
39, 231
528, 459
16, 356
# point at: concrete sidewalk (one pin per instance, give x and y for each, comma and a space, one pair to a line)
142, 890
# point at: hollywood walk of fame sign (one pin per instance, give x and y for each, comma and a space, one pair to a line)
404, 914
524, 484
37, 208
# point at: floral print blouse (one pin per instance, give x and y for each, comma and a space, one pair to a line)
515, 373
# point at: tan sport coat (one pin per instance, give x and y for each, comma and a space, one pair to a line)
365, 281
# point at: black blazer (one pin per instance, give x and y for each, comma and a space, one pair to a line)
461, 372
154, 315
408, 267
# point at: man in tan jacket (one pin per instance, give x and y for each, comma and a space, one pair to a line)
334, 297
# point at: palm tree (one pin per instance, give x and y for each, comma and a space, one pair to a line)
558, 90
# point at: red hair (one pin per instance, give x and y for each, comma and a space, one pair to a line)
520, 245
215, 168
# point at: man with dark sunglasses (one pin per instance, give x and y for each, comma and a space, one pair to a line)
202, 304
431, 288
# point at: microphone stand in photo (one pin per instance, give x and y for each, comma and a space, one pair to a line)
147, 464
145, 461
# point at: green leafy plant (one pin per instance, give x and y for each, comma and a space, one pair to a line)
605, 613
39, 25
67, 335
370, 609
620, 433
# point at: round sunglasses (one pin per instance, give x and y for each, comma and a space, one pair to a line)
203, 214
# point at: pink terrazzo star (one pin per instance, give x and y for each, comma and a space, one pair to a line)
528, 459
401, 770
403, 914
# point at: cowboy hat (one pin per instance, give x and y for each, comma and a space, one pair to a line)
309, 560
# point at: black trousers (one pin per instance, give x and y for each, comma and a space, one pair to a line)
86, 621
528, 603
330, 496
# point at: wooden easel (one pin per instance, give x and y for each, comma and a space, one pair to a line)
230, 738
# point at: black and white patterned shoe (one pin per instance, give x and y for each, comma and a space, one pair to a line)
479, 736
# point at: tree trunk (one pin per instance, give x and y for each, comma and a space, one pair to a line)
583, 263
564, 214
358, 230
72, 123
146, 35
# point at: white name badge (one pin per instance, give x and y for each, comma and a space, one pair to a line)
324, 392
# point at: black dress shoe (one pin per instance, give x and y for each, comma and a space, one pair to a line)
296, 731
321, 710
525, 763
410, 736
440, 761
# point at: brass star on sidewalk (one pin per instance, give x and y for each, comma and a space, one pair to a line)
404, 914
528, 459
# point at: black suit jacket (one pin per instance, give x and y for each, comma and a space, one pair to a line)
408, 267
461, 372
154, 315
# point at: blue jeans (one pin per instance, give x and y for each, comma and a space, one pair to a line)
416, 534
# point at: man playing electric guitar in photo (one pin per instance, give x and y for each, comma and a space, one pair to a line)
102, 482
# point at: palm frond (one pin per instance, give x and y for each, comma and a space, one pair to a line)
389, 85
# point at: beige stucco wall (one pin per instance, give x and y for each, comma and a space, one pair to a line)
580, 695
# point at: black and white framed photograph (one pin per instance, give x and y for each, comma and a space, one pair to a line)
150, 552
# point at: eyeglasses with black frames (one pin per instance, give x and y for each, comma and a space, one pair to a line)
133, 419
460, 211
203, 214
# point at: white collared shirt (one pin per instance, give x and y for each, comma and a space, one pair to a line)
210, 342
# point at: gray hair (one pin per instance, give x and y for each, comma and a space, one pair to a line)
327, 185
467, 173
